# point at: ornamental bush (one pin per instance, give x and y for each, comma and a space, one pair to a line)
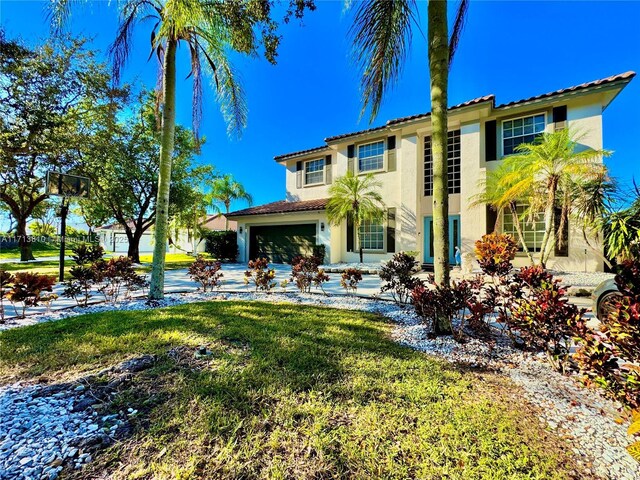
6, 279
350, 279
118, 278
87, 253
397, 277
610, 358
306, 271
29, 289
495, 252
222, 245
207, 273
261, 275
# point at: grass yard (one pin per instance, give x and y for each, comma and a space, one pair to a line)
39, 249
173, 261
45, 267
291, 392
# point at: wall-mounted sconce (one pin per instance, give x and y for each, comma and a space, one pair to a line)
322, 226
240, 230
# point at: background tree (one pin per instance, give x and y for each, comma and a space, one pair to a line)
120, 154
548, 170
42, 92
206, 29
382, 33
622, 230
225, 190
355, 198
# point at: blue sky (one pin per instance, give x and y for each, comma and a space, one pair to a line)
511, 49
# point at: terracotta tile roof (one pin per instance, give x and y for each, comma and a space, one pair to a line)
283, 206
583, 86
279, 158
487, 98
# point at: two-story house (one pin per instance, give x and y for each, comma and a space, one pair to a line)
481, 134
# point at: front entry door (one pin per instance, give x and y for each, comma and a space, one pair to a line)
454, 238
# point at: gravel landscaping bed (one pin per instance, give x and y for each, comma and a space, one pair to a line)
583, 417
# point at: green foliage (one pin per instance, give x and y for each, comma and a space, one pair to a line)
87, 253
222, 245
610, 357
85, 275
634, 430
350, 279
207, 273
306, 271
225, 190
356, 198
45, 94
42, 230
495, 252
397, 277
262, 276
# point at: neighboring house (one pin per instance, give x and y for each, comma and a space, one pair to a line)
114, 239
399, 153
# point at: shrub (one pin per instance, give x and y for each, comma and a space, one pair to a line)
634, 430
28, 289
305, 272
39, 229
87, 253
206, 272
433, 303
118, 277
320, 252
261, 275
6, 279
222, 245
72, 232
495, 252
541, 316
610, 358
350, 279
79, 285
397, 277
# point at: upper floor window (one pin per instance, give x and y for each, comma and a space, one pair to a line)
371, 235
521, 130
314, 172
453, 163
371, 157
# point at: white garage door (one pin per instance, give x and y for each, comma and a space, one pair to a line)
122, 243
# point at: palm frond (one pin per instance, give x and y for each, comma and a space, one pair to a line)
458, 26
381, 35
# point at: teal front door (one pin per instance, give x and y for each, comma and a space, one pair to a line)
454, 238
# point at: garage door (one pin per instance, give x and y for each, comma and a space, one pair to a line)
280, 243
122, 243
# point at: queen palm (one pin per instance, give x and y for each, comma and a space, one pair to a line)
549, 169
207, 29
355, 198
502, 196
382, 32
225, 190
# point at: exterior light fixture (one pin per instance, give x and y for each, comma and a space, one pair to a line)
322, 226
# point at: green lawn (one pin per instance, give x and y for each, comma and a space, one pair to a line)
173, 261
292, 392
39, 250
46, 267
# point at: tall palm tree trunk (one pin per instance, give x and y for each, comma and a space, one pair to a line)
227, 206
439, 68
548, 240
156, 288
516, 223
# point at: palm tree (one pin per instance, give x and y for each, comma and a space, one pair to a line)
356, 198
547, 170
225, 190
502, 196
382, 32
207, 29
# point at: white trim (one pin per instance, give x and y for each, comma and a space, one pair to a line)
324, 172
511, 119
384, 157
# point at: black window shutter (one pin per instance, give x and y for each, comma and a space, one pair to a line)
298, 166
328, 174
560, 117
490, 141
350, 235
299, 175
351, 151
391, 142
492, 218
327, 160
391, 230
